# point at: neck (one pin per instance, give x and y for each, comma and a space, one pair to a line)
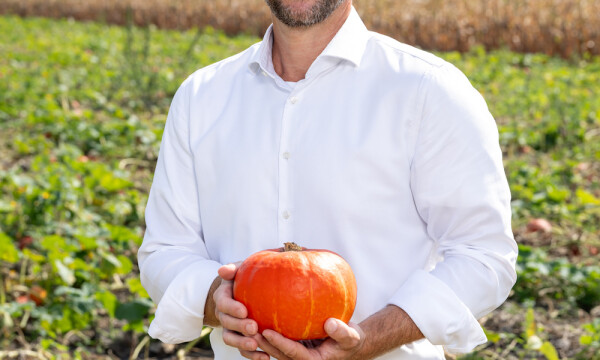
295, 49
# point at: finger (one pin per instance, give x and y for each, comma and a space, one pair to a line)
238, 341
291, 349
255, 355
346, 336
247, 327
227, 272
225, 289
225, 303
268, 348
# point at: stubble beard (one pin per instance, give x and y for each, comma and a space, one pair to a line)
315, 15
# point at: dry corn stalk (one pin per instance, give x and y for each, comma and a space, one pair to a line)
557, 27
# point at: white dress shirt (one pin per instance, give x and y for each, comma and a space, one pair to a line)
384, 154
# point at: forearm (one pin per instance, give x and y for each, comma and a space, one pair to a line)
386, 330
210, 318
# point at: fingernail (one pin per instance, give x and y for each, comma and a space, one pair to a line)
331, 326
250, 329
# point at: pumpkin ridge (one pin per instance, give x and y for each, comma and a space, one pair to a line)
312, 309
275, 324
341, 282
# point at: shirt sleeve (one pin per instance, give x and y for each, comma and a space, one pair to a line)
461, 193
175, 267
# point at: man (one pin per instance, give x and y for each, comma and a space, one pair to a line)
333, 137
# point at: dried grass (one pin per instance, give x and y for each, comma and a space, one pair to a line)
556, 27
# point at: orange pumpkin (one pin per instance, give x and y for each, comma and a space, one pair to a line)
294, 290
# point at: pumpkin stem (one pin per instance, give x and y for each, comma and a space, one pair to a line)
290, 246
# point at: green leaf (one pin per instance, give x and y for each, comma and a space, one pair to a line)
87, 243
64, 272
8, 251
492, 336
123, 234
586, 198
109, 301
530, 327
135, 287
135, 326
133, 311
549, 351
112, 183
556, 194
586, 340
33, 256
47, 343
110, 258
53, 243
126, 266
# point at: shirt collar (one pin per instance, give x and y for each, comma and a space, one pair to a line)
262, 58
348, 44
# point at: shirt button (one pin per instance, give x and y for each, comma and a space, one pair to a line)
286, 155
293, 99
286, 214
265, 73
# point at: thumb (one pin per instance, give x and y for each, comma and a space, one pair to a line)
227, 272
347, 336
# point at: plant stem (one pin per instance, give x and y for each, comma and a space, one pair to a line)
2, 292
290, 246
139, 347
23, 271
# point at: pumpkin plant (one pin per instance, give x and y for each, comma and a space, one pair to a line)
294, 290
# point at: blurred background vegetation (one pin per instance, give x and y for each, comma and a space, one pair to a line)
83, 104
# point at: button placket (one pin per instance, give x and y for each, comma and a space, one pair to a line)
285, 218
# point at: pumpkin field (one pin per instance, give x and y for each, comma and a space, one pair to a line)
82, 110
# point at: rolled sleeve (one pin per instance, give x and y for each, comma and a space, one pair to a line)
461, 193
175, 266
440, 315
180, 314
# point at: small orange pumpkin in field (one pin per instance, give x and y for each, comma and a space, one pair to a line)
294, 290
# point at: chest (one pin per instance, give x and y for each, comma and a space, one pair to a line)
331, 128
319, 161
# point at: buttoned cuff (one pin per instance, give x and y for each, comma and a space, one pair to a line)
440, 315
180, 313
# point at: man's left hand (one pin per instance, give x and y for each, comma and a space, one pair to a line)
344, 342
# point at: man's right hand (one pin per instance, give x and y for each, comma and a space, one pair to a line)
232, 315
